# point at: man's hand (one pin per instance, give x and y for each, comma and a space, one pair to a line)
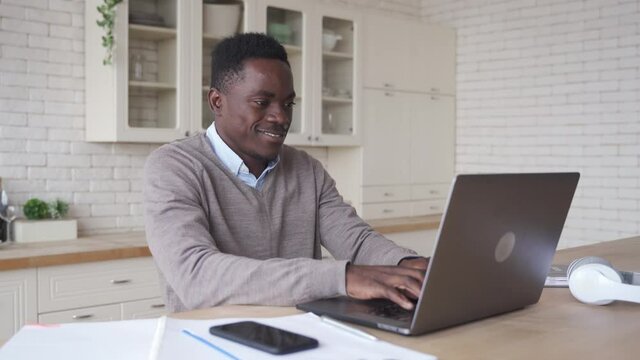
396, 283
419, 263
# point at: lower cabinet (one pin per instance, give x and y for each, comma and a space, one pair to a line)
18, 302
96, 291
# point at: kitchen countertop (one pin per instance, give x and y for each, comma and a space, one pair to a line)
133, 244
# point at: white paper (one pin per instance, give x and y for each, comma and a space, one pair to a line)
122, 340
142, 339
334, 343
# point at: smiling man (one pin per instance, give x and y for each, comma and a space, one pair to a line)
234, 216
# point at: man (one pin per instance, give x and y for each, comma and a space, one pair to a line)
233, 216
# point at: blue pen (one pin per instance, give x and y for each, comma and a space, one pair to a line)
209, 344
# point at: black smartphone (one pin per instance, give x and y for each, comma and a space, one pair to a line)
264, 337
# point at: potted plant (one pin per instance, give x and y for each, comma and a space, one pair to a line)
45, 222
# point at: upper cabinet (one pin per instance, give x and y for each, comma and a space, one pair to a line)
322, 47
408, 55
156, 89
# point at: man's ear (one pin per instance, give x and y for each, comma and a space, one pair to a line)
215, 100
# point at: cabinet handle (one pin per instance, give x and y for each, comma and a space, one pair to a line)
386, 93
119, 282
433, 207
387, 211
186, 133
387, 85
435, 98
433, 192
388, 194
317, 138
157, 306
81, 317
435, 89
309, 138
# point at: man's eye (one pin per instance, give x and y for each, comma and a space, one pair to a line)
261, 102
290, 105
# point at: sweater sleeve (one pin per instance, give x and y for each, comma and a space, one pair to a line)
346, 235
195, 270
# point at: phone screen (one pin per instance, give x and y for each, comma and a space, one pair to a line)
264, 337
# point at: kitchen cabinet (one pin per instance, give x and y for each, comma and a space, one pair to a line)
153, 91
18, 302
408, 153
322, 43
94, 291
156, 90
409, 55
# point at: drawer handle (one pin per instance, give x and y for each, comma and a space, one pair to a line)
386, 211
433, 192
435, 89
387, 85
435, 98
433, 207
386, 93
119, 282
82, 317
157, 306
388, 194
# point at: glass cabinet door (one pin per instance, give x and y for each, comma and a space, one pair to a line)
153, 58
337, 111
287, 26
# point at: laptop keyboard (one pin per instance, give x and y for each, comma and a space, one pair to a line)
393, 311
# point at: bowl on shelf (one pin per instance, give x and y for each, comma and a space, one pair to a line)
330, 39
281, 32
221, 20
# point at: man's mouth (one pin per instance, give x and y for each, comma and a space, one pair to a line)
276, 134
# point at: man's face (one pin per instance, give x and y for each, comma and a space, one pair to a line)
254, 114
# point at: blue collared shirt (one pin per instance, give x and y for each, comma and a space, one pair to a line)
234, 163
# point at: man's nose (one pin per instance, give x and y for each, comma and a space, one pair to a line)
279, 114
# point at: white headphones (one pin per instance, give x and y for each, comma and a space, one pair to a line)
593, 280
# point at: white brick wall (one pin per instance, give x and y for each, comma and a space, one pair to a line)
553, 86
42, 152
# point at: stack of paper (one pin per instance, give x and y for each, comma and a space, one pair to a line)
164, 339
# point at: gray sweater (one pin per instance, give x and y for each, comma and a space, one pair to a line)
216, 240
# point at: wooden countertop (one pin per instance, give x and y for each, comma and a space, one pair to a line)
84, 249
133, 244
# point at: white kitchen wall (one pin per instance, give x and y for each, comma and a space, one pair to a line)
547, 85
42, 152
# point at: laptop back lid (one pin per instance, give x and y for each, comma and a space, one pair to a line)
494, 247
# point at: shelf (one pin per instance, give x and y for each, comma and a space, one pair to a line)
337, 55
147, 32
151, 85
336, 100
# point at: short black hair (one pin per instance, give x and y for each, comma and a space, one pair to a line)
227, 59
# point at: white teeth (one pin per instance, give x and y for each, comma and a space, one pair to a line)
271, 134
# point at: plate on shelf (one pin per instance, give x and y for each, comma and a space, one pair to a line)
141, 18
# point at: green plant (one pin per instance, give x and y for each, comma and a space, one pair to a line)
36, 209
58, 209
108, 12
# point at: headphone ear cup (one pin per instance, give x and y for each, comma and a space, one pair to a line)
586, 260
593, 280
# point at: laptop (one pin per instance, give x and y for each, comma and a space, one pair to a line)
494, 248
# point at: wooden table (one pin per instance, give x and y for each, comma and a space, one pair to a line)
558, 327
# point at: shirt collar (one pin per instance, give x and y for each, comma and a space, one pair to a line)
229, 158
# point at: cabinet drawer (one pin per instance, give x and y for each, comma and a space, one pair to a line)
428, 207
90, 284
88, 314
429, 191
143, 309
376, 194
386, 210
